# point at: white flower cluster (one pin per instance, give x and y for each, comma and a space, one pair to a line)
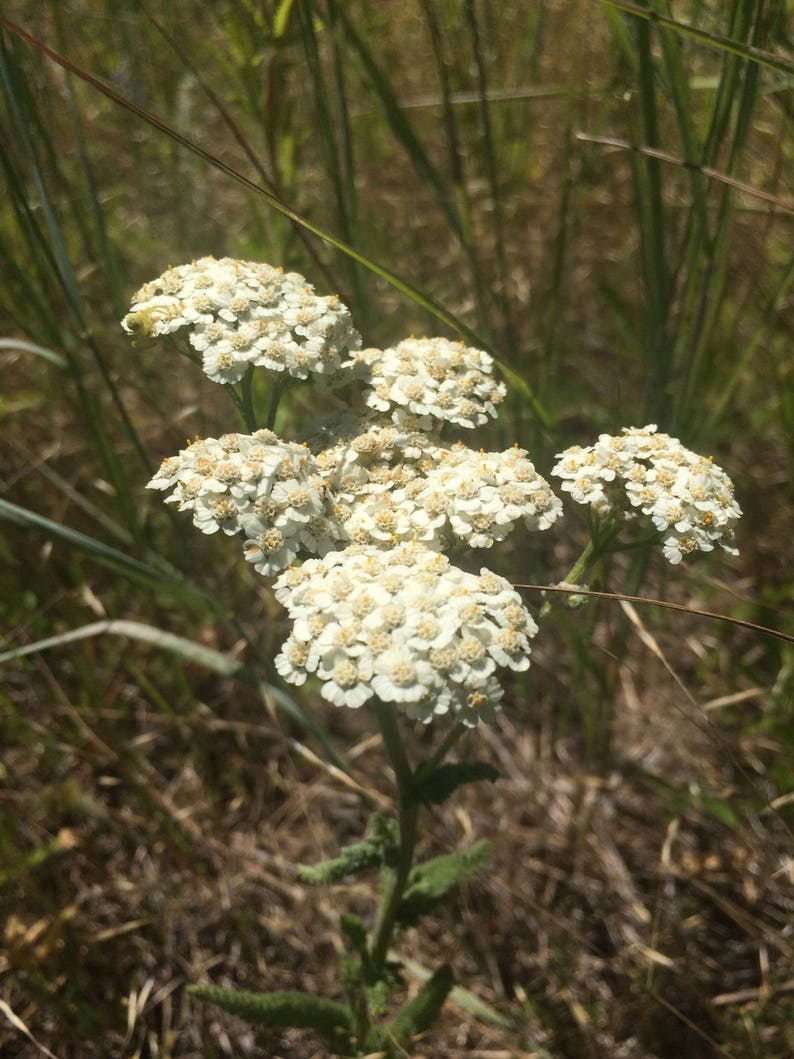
240, 313
388, 615
689, 498
371, 502
417, 490
264, 489
431, 378
405, 625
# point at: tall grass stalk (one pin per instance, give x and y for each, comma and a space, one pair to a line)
640, 277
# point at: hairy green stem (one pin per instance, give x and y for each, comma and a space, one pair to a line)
275, 398
387, 919
408, 815
600, 543
247, 403
397, 880
581, 565
444, 748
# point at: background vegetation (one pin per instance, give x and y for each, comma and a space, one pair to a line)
605, 199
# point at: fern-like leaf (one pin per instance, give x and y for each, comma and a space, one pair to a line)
287, 1008
429, 882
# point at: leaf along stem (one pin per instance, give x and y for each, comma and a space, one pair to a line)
408, 809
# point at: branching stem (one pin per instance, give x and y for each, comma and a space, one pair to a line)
248, 410
408, 815
275, 398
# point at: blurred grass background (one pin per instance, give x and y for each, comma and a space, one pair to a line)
605, 200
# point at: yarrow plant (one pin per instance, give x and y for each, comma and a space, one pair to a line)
354, 521
240, 314
688, 498
405, 625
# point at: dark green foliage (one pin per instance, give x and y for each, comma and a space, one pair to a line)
445, 780
357, 967
351, 973
379, 992
373, 852
354, 966
420, 1013
351, 861
417, 1016
354, 930
429, 882
287, 1008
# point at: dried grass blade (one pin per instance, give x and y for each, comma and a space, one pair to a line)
410, 291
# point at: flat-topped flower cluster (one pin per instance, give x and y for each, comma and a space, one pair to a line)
432, 378
406, 625
256, 486
368, 504
240, 313
689, 499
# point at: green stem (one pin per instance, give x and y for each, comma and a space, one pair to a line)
599, 543
397, 880
394, 747
275, 398
408, 816
444, 748
387, 919
247, 403
581, 564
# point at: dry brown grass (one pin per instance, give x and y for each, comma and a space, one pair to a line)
639, 904
620, 918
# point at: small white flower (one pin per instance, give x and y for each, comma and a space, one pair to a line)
430, 377
396, 485
406, 625
688, 498
240, 313
259, 487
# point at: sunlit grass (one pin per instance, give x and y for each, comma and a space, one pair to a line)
437, 142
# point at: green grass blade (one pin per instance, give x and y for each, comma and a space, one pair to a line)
452, 135
339, 166
347, 165
781, 204
492, 170
156, 570
16, 95
20, 866
406, 288
711, 40
742, 365
456, 172
28, 298
401, 127
728, 85
680, 90
97, 550
575, 164
54, 250
58, 359
465, 998
650, 205
74, 496
282, 18
731, 120
106, 251
190, 651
